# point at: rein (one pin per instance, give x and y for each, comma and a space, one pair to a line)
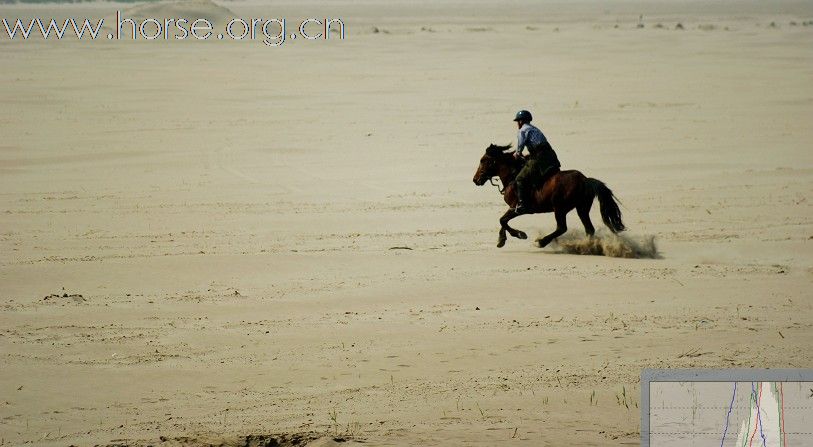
501, 190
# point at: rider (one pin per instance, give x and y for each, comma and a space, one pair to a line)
542, 161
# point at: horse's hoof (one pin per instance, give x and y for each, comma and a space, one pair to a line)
500, 243
521, 235
541, 243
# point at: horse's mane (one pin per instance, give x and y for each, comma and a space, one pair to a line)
495, 150
499, 152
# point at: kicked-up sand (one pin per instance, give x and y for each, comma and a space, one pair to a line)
224, 243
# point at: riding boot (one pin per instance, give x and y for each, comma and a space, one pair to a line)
521, 207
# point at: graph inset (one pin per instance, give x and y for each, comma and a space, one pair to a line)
727, 408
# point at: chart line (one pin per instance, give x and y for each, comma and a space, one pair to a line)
782, 415
728, 415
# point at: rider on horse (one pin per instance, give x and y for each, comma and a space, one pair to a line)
541, 163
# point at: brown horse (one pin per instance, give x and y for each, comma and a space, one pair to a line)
560, 193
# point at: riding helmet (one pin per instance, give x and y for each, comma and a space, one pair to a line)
524, 115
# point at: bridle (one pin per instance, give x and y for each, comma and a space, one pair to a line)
501, 190
491, 180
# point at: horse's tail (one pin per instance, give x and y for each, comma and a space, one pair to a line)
610, 213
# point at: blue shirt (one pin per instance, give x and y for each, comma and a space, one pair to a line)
529, 136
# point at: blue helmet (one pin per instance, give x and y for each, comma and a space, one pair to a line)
524, 115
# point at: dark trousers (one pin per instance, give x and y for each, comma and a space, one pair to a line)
542, 164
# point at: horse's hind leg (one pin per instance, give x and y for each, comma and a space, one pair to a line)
510, 214
561, 228
584, 215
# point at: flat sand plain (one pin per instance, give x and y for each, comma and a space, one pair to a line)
259, 240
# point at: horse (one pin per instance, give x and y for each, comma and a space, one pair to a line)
560, 193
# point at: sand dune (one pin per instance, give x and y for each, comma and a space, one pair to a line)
189, 9
173, 10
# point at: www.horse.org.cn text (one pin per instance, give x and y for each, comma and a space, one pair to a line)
272, 32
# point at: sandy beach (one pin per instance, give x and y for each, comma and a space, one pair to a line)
206, 241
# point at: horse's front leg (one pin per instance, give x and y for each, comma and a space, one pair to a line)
502, 238
510, 214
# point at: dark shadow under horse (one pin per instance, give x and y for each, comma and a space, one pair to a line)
560, 193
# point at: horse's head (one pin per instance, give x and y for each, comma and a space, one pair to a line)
490, 163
